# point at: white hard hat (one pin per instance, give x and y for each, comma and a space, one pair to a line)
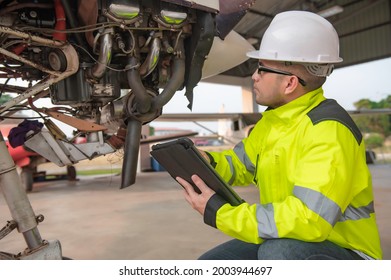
301, 37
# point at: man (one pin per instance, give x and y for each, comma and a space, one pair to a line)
306, 156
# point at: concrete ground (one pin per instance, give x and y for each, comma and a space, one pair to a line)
95, 220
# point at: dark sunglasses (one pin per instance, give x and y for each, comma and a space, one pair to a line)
280, 72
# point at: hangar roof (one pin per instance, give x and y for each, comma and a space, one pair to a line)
363, 26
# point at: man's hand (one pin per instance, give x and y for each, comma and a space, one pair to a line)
197, 201
204, 155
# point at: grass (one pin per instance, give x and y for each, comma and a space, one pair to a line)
383, 154
98, 172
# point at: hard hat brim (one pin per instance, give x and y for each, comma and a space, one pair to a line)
258, 55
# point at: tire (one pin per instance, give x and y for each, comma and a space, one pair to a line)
27, 179
371, 157
71, 173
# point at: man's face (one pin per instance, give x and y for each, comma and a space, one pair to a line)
269, 87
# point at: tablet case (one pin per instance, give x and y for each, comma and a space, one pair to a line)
181, 158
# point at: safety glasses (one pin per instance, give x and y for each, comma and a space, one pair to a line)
262, 68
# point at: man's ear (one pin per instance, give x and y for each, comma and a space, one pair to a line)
292, 82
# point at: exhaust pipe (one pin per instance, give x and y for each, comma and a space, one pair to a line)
105, 54
140, 106
152, 59
131, 151
143, 100
176, 81
146, 105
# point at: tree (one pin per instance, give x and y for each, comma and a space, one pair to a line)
380, 124
4, 98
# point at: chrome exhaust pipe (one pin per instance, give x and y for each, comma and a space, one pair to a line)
105, 54
152, 59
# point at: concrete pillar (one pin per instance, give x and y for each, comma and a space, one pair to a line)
249, 104
248, 100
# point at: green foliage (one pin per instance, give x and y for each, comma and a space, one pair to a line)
4, 98
374, 140
380, 124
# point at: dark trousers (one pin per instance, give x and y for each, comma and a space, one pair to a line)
279, 249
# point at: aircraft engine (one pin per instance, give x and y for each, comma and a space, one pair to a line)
109, 67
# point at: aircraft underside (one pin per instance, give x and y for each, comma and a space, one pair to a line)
109, 67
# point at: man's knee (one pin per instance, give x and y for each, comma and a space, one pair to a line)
292, 249
274, 249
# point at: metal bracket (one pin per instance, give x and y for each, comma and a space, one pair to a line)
50, 250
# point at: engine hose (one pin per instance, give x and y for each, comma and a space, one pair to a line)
143, 99
176, 80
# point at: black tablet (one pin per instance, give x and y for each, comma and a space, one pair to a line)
181, 158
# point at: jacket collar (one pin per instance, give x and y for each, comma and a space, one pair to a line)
296, 109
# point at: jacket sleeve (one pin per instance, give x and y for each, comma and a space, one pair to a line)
236, 166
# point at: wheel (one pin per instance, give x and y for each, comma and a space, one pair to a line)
71, 173
371, 156
27, 179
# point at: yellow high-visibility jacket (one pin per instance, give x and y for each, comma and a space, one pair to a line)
307, 158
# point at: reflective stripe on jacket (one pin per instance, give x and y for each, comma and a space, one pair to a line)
307, 159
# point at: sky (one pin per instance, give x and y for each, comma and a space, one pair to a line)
371, 80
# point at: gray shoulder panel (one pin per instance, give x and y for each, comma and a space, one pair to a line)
331, 110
